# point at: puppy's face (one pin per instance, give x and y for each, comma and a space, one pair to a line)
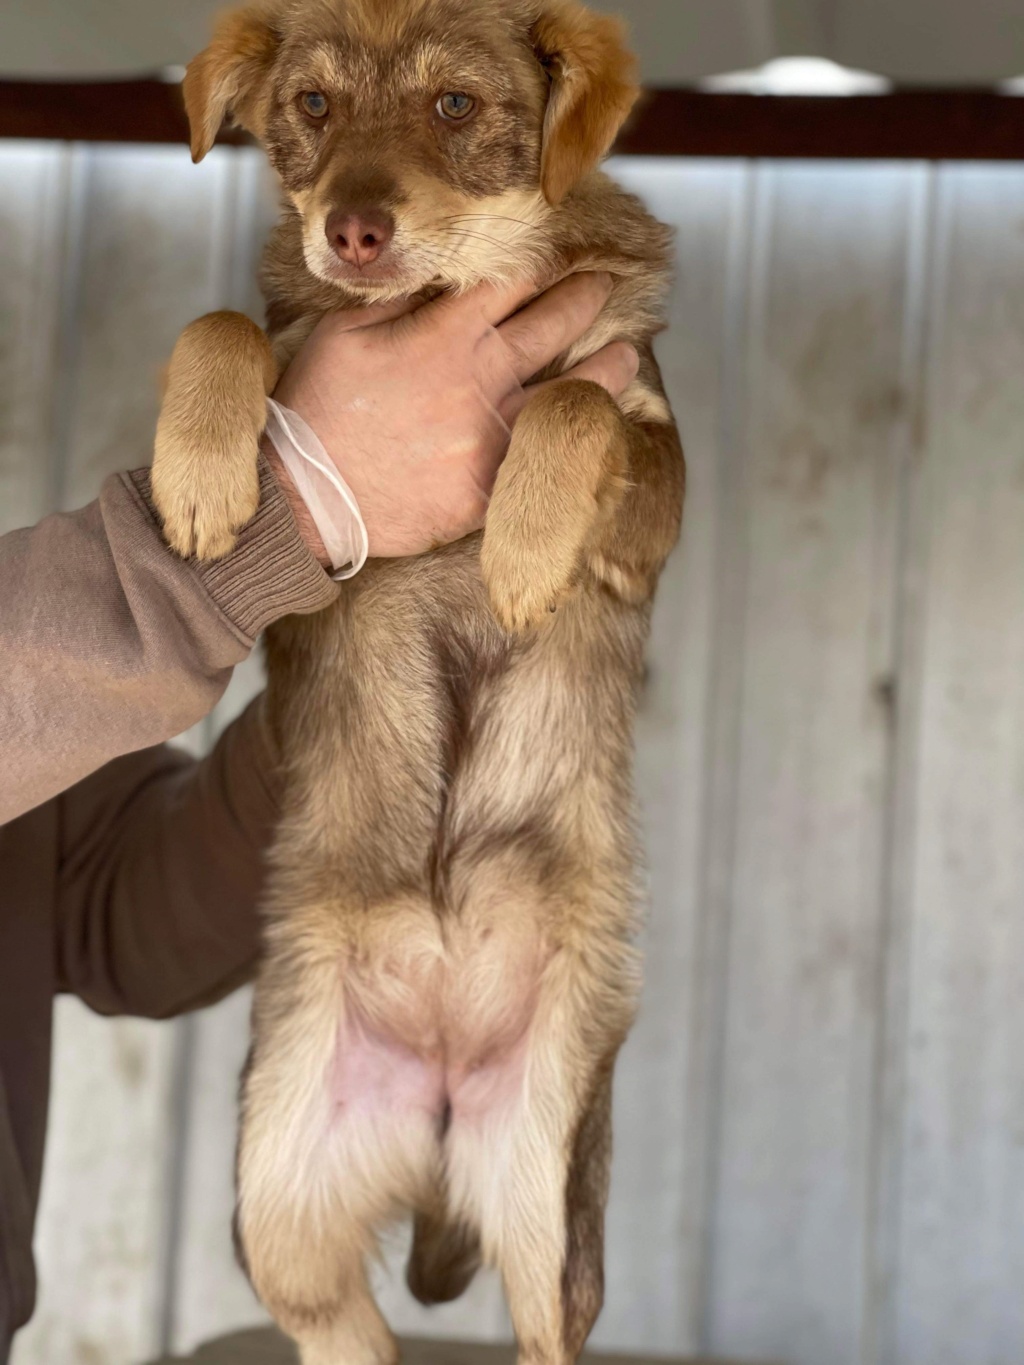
420, 141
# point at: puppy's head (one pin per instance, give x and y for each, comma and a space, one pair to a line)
420, 141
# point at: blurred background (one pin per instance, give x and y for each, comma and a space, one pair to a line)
953, 42
820, 1115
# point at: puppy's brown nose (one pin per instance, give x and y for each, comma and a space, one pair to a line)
359, 238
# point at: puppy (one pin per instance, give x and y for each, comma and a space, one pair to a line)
449, 968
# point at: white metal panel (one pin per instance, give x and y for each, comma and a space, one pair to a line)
153, 238
828, 273
99, 1233
33, 204
655, 1217
960, 1289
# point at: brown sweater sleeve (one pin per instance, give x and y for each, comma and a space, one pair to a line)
161, 868
110, 643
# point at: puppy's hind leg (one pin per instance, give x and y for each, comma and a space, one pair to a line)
339, 1134
535, 1169
314, 1282
205, 478
552, 1235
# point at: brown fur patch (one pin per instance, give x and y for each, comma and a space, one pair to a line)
445, 1257
554, 495
585, 1197
463, 673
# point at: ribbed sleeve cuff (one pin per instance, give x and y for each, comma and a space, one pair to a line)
270, 573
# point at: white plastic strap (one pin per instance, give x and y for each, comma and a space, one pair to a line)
331, 502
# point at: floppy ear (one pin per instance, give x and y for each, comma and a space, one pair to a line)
593, 87
226, 77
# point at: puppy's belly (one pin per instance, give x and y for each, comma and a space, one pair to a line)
376, 1073
437, 1014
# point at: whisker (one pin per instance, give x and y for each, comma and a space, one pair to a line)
496, 217
483, 237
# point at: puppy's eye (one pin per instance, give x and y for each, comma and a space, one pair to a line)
455, 106
314, 104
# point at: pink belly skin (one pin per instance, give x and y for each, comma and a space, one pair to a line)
438, 1018
376, 1075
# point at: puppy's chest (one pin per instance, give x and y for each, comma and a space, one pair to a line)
411, 708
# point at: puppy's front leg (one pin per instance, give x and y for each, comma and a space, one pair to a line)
205, 479
563, 478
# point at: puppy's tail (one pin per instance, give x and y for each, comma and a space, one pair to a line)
444, 1258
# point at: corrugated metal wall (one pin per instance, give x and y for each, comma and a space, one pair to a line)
821, 1112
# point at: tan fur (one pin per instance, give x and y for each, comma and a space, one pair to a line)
594, 87
449, 968
552, 499
213, 414
227, 75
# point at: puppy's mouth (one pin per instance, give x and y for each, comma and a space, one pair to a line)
371, 275
359, 253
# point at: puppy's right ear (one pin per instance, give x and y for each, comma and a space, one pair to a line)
226, 77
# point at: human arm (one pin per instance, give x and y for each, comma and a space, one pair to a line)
110, 643
162, 863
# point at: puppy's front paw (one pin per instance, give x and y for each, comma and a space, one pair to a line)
205, 488
530, 557
205, 473
563, 479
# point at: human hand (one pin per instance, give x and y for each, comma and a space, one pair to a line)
415, 408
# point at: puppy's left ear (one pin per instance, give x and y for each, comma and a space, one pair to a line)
593, 87
229, 76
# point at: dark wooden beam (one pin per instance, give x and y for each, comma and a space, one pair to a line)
95, 111
953, 125
936, 125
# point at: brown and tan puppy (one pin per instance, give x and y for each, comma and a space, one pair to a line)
450, 969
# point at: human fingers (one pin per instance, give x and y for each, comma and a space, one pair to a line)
545, 328
614, 367
353, 319
493, 302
